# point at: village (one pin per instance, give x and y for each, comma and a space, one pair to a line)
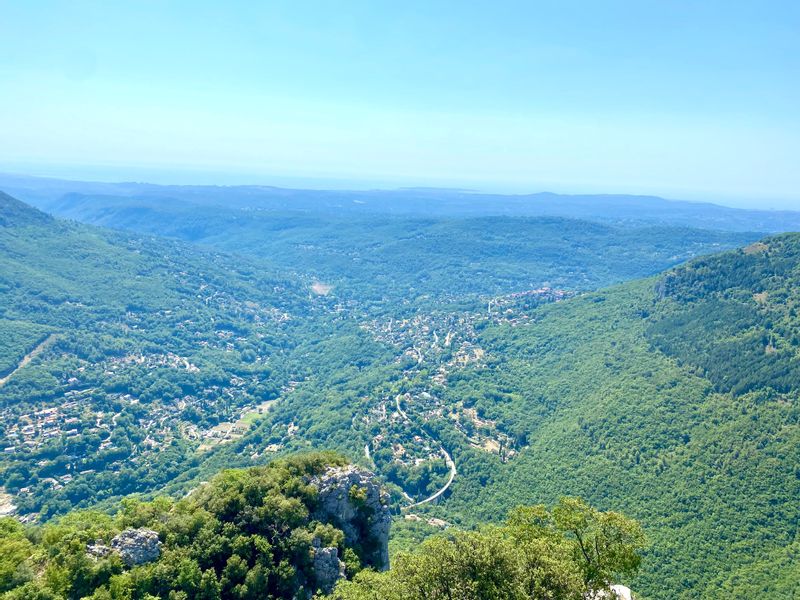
440, 345
123, 434
110, 430
431, 348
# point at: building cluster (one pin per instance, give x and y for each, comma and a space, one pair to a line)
29, 431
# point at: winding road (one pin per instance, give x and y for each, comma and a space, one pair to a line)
400, 410
447, 458
450, 463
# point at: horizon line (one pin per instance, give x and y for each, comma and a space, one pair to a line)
358, 184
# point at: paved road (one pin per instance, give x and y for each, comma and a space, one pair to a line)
447, 458
450, 463
400, 410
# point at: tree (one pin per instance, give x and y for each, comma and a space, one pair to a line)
535, 555
606, 544
15, 549
209, 586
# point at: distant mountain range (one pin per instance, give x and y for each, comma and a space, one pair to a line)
62, 196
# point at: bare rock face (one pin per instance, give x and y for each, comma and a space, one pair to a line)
328, 569
137, 546
352, 499
622, 592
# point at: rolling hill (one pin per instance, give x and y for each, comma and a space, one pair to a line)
672, 398
409, 253
126, 359
65, 197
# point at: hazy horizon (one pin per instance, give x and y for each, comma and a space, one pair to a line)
144, 175
684, 101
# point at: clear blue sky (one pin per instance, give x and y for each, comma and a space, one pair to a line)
694, 99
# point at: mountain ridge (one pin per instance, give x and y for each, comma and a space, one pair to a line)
45, 193
14, 212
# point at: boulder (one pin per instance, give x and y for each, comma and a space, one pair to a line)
352, 499
137, 546
622, 592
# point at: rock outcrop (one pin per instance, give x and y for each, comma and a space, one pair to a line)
98, 549
328, 569
352, 499
622, 592
137, 546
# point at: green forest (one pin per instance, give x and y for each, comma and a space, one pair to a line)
484, 360
387, 262
260, 533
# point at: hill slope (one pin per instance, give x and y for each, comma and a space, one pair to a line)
675, 399
640, 397
393, 259
169, 362
270, 532
127, 360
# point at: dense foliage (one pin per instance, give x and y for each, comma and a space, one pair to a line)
735, 317
672, 399
563, 555
19, 338
711, 469
252, 534
150, 346
246, 534
395, 263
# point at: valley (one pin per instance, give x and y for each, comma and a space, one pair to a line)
400, 300
467, 397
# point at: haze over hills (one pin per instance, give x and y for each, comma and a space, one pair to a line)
82, 200
138, 363
444, 245
400, 300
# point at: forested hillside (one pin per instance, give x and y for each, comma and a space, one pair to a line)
134, 364
261, 533
297, 528
127, 360
391, 263
145, 357
585, 397
652, 397
400, 300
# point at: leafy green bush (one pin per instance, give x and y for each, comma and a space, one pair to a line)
561, 555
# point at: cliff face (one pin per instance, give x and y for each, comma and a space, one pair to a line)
351, 499
328, 567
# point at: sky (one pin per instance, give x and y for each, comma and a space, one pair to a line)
683, 99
